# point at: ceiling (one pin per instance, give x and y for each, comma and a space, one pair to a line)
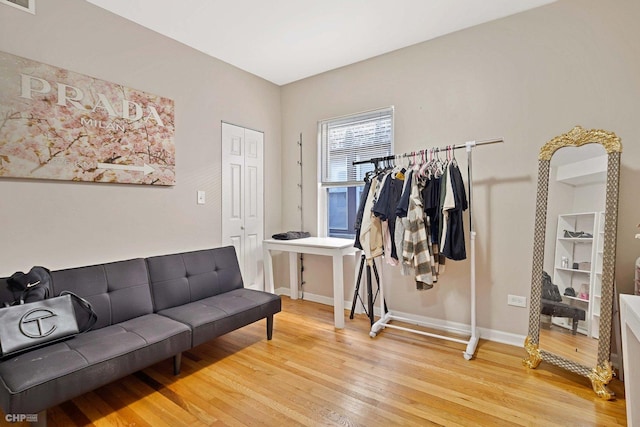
287, 40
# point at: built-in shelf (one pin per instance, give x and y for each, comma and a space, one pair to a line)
586, 251
577, 299
573, 270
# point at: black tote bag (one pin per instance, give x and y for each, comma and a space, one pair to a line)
31, 325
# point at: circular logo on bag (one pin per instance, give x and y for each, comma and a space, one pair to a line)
34, 323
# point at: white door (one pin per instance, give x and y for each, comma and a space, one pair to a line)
242, 199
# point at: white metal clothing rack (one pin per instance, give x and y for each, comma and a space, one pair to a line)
388, 316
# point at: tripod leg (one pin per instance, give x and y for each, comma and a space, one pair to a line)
370, 291
375, 271
355, 293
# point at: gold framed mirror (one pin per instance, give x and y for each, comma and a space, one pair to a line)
572, 278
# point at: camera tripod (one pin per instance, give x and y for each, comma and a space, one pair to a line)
371, 297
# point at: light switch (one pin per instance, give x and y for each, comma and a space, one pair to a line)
201, 198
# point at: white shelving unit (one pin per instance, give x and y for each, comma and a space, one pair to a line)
578, 264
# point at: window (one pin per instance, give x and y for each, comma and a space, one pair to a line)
344, 140
25, 5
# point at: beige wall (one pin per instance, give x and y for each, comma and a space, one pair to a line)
65, 224
526, 78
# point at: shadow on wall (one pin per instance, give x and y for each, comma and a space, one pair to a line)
627, 246
488, 186
486, 232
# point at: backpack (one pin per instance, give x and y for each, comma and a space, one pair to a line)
29, 287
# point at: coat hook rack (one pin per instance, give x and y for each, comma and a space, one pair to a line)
302, 282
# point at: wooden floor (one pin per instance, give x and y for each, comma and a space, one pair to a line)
311, 374
579, 348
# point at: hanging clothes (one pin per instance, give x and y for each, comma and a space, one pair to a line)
414, 216
371, 228
402, 223
447, 202
385, 209
383, 178
454, 244
357, 226
403, 204
388, 244
415, 251
433, 210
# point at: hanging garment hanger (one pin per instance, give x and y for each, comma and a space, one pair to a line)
396, 165
416, 164
419, 163
423, 172
453, 157
390, 165
438, 166
433, 164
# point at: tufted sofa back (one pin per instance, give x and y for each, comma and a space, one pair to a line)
118, 291
190, 276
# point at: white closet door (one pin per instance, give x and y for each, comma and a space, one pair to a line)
253, 209
242, 199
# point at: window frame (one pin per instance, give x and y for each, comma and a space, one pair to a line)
31, 8
323, 187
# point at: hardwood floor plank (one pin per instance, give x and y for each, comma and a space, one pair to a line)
312, 374
74, 412
328, 394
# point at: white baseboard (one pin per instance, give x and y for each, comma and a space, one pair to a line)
321, 299
484, 333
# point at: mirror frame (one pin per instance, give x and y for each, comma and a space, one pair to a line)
601, 374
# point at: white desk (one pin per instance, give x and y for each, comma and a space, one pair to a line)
329, 246
630, 320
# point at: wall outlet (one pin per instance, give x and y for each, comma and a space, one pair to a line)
517, 301
201, 197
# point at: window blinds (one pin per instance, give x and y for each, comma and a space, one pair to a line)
357, 137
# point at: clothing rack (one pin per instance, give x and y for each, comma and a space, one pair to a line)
388, 316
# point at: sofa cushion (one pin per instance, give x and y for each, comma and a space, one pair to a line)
179, 279
214, 316
118, 291
50, 375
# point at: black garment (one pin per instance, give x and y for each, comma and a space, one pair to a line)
432, 206
403, 204
291, 235
385, 207
379, 208
443, 193
358, 223
454, 242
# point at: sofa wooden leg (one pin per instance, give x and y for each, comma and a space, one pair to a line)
176, 363
269, 327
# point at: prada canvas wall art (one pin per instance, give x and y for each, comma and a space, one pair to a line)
57, 124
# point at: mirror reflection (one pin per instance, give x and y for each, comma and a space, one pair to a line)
572, 269
574, 249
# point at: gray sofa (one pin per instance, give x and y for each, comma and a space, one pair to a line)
148, 310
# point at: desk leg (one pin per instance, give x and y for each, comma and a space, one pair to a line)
338, 291
293, 275
268, 270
